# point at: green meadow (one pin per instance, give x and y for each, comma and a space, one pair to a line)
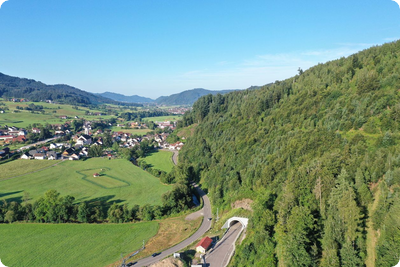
120, 181
52, 114
71, 244
161, 160
163, 118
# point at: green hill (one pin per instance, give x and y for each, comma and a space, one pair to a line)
14, 87
312, 152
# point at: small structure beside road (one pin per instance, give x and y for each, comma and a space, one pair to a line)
203, 245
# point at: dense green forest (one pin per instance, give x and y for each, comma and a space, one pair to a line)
319, 154
14, 87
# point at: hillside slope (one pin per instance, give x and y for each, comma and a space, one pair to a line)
307, 150
38, 91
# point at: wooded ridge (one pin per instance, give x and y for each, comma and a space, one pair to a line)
314, 152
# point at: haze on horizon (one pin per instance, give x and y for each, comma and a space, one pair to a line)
155, 48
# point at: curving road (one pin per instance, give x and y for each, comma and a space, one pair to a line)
205, 226
223, 251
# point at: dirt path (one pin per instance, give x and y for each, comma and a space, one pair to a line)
372, 237
33, 171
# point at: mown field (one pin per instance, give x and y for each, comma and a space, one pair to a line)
163, 118
71, 244
20, 167
161, 160
120, 182
52, 114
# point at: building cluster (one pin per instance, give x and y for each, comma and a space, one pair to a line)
178, 110
12, 134
166, 124
84, 140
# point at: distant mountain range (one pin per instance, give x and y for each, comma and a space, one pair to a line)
188, 97
14, 87
128, 99
185, 98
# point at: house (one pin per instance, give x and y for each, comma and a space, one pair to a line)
36, 151
52, 155
203, 245
177, 146
20, 138
15, 132
53, 146
21, 132
59, 145
39, 156
35, 130
84, 152
96, 175
6, 137
68, 152
26, 155
4, 152
84, 139
74, 157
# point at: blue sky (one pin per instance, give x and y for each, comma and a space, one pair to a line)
160, 47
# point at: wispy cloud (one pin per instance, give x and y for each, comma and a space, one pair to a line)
266, 68
391, 39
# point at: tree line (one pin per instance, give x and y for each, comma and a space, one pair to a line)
54, 208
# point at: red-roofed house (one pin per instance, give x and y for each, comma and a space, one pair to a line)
203, 245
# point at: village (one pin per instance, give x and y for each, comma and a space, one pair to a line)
64, 143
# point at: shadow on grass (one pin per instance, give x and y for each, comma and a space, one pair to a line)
104, 202
9, 193
14, 199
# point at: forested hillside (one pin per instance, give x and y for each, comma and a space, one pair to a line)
14, 87
318, 153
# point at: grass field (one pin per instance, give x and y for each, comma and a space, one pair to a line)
161, 160
24, 118
71, 244
163, 118
122, 182
21, 166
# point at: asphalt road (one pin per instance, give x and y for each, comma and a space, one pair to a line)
38, 143
220, 255
205, 226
